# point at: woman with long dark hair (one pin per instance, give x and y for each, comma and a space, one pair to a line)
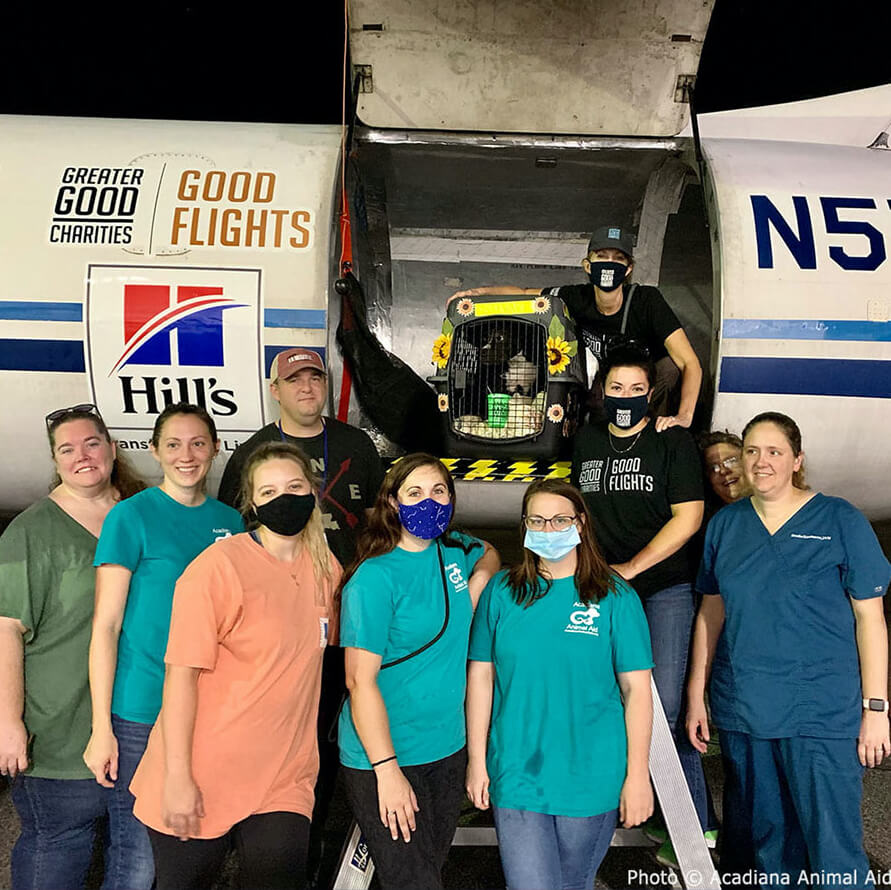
407, 607
47, 584
559, 708
792, 629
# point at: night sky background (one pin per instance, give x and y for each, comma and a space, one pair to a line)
282, 62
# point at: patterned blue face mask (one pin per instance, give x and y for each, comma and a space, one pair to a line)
427, 519
552, 546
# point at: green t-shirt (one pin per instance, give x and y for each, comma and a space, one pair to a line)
557, 743
393, 605
47, 581
155, 537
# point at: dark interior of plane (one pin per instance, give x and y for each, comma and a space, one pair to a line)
435, 214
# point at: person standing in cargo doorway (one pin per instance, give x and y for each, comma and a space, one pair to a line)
611, 312
351, 473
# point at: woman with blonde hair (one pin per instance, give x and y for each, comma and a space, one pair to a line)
233, 758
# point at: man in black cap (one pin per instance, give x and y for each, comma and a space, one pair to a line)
612, 312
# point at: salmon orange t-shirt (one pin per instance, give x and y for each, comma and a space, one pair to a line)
257, 628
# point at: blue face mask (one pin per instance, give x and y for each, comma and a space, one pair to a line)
552, 546
427, 519
607, 276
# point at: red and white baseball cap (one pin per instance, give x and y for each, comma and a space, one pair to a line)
288, 362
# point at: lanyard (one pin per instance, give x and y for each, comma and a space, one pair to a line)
285, 438
445, 622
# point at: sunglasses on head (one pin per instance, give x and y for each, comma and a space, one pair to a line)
55, 417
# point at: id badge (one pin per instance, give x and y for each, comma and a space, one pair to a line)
323, 632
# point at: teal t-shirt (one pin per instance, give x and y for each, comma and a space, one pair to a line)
557, 743
155, 537
393, 605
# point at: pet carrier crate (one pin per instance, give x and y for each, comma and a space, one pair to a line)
511, 377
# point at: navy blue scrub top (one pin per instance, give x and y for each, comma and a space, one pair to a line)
786, 663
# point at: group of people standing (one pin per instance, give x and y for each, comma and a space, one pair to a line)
175, 665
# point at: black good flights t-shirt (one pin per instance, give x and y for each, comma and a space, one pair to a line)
650, 318
630, 494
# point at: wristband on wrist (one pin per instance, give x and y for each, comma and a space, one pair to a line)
875, 704
385, 760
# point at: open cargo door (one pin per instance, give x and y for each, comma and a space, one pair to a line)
587, 67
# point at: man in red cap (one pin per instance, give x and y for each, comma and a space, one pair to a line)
342, 455
611, 313
351, 473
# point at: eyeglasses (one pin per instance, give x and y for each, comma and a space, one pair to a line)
728, 464
55, 417
557, 523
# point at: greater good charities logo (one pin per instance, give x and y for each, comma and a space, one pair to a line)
159, 334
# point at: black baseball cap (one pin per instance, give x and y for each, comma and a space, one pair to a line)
617, 237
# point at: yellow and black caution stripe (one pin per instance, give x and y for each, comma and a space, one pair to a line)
472, 469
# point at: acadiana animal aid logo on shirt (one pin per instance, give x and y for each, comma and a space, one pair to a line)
158, 335
453, 570
581, 619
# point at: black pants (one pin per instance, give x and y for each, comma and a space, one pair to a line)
330, 703
271, 848
439, 788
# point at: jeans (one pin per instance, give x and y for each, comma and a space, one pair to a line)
59, 819
439, 788
271, 851
670, 617
541, 852
133, 868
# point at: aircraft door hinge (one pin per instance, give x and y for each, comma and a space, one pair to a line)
364, 76
684, 87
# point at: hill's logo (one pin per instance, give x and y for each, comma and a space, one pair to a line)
150, 319
158, 335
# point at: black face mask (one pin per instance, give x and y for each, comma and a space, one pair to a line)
287, 514
607, 276
625, 412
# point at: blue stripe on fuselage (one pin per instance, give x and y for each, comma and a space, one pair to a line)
40, 310
68, 355
865, 378
42, 355
805, 329
43, 310
295, 318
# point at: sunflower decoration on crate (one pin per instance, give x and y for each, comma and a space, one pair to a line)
510, 377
